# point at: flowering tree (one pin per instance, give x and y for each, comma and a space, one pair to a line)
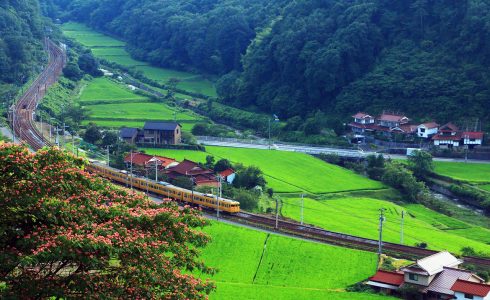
65, 233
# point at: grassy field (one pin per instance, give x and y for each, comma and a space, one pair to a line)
111, 104
485, 187
104, 89
138, 111
286, 172
359, 216
470, 172
113, 50
289, 268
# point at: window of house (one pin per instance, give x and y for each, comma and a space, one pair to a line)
468, 296
413, 277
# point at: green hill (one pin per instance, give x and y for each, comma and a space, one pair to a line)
429, 59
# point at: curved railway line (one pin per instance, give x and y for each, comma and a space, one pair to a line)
21, 115
22, 119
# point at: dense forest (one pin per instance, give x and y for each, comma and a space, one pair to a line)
427, 58
21, 52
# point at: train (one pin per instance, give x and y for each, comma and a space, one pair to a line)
165, 189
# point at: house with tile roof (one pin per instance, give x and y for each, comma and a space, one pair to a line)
148, 161
200, 176
427, 130
153, 133
464, 290
435, 277
450, 136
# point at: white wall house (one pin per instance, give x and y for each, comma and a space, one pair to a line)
472, 138
362, 118
427, 130
464, 296
464, 290
447, 142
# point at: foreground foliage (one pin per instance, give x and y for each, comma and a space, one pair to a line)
66, 233
254, 265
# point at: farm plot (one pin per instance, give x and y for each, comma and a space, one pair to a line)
107, 91
470, 172
359, 216
111, 104
187, 81
138, 111
292, 172
288, 268
112, 50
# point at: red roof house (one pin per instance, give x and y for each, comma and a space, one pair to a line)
194, 171
470, 288
228, 175
148, 161
388, 278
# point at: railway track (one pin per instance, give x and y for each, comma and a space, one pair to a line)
21, 115
22, 119
340, 239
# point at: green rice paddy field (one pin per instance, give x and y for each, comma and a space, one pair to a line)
359, 216
113, 105
285, 172
113, 50
289, 268
470, 172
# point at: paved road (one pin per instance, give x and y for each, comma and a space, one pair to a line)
286, 147
318, 150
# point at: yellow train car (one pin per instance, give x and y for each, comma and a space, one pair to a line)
165, 190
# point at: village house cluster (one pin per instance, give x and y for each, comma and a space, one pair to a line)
438, 276
173, 169
389, 124
153, 133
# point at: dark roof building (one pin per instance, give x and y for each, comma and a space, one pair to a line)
161, 126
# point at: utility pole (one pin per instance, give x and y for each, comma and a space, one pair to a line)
269, 133
147, 187
108, 157
42, 133
277, 213
217, 204
131, 170
302, 207
57, 137
218, 195
192, 188
403, 218
156, 170
64, 142
380, 242
12, 109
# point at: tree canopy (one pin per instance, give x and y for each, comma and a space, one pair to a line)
429, 59
21, 53
65, 233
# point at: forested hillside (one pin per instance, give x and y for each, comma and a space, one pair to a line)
21, 33
428, 58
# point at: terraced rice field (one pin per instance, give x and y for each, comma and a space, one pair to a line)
359, 216
112, 104
113, 50
470, 172
253, 265
285, 172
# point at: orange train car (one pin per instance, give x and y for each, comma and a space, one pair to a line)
164, 189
